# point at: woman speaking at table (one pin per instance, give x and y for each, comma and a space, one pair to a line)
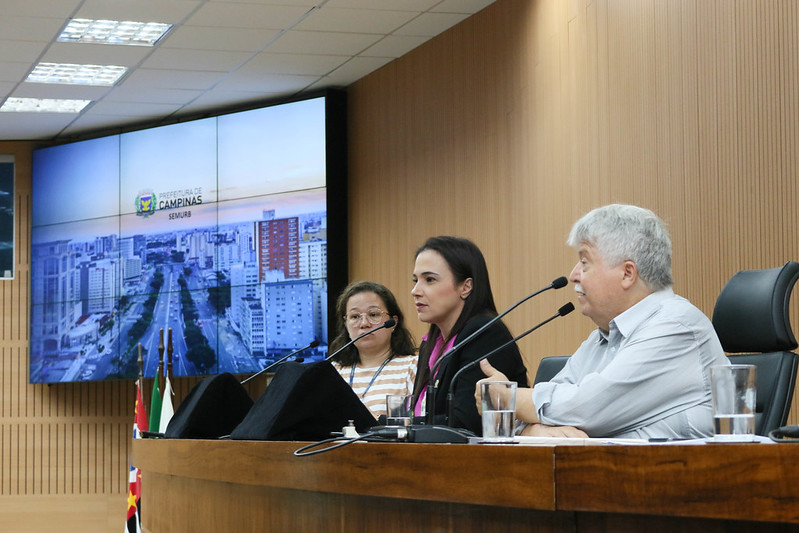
452, 293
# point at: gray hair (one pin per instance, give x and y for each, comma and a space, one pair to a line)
626, 232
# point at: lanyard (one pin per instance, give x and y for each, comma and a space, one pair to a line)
374, 377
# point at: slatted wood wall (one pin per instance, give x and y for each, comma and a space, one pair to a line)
505, 129
513, 124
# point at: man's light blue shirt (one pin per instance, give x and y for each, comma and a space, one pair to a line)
649, 376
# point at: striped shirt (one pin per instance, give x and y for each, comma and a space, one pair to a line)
397, 377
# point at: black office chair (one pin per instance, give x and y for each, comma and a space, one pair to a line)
549, 366
752, 321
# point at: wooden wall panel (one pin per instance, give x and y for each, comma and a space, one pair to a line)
511, 125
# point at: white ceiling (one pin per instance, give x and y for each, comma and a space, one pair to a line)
218, 55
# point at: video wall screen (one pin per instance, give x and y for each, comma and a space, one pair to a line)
217, 229
7, 226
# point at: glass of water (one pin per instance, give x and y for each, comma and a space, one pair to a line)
398, 410
733, 392
498, 404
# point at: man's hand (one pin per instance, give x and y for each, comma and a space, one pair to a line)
493, 375
540, 430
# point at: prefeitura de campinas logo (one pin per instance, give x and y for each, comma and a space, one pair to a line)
145, 203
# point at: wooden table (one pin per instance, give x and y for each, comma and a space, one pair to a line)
193, 485
741, 482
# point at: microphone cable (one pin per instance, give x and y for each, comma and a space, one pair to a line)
384, 434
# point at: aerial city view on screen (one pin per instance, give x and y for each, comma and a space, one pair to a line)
214, 229
6, 218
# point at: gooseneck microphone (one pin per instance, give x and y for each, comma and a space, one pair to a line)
387, 324
431, 388
313, 344
563, 311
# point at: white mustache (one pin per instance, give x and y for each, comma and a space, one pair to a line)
578, 288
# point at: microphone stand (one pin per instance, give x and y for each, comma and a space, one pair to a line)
563, 311
387, 324
431, 387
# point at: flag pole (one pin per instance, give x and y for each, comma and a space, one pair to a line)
141, 367
160, 372
155, 402
167, 410
169, 351
133, 516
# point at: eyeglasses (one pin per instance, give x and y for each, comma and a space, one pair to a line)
373, 316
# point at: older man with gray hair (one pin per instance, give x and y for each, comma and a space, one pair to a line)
645, 371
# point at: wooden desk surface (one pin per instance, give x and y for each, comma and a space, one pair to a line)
238, 485
729, 481
509, 476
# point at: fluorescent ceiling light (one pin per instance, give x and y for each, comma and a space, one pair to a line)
43, 105
113, 32
105, 75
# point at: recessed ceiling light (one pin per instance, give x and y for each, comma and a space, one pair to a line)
113, 32
43, 105
105, 75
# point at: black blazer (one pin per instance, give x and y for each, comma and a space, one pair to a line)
508, 361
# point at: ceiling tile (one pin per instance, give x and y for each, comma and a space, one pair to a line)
213, 100
461, 6
169, 11
313, 42
28, 51
309, 65
91, 122
258, 82
220, 53
40, 8
355, 68
96, 54
31, 126
40, 29
6, 87
394, 46
155, 96
308, 4
394, 5
137, 109
70, 92
232, 15
221, 39
211, 60
12, 71
355, 20
144, 78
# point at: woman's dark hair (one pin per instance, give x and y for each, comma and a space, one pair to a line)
465, 260
402, 342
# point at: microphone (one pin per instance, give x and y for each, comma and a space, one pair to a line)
387, 324
431, 389
313, 344
563, 311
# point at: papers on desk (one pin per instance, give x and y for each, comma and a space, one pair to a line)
563, 441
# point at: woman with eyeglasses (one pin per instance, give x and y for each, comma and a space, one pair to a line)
381, 363
452, 293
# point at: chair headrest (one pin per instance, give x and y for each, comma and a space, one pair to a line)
752, 311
